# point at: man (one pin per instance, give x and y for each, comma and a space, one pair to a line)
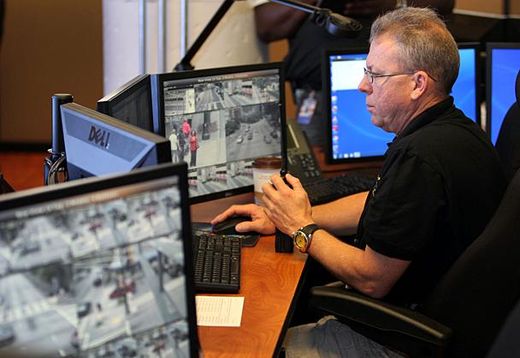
439, 185
174, 143
303, 62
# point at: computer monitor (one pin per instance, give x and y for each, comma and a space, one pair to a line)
131, 103
237, 114
503, 63
351, 136
465, 91
97, 144
99, 267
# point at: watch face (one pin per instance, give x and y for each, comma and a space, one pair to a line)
300, 240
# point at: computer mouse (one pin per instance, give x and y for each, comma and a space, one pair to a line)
227, 227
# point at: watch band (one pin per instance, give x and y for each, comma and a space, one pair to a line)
309, 230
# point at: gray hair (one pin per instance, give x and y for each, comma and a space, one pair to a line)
424, 43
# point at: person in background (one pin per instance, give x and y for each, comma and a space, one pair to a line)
306, 41
186, 128
427, 204
182, 145
174, 143
194, 146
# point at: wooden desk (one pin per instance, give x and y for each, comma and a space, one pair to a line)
269, 283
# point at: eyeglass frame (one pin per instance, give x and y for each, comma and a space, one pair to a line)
372, 75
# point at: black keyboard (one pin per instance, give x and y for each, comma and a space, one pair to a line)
217, 262
323, 190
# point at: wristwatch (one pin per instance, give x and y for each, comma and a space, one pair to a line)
303, 236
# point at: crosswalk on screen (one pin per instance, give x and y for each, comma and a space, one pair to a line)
219, 121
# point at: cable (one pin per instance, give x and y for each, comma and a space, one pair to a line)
57, 168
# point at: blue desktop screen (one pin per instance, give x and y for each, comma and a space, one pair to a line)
504, 66
352, 134
464, 90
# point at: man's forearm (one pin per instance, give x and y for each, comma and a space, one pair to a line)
276, 22
340, 217
366, 270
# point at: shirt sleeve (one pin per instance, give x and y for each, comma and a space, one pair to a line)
405, 209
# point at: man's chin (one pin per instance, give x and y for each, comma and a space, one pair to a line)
376, 122
379, 124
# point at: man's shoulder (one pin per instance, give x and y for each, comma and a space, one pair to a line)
451, 129
441, 140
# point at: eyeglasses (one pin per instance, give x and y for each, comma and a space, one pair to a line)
372, 75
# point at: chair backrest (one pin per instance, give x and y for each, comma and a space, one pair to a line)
508, 141
482, 287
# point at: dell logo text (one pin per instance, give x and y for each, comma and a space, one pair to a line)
99, 136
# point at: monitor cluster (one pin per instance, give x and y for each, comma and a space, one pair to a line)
220, 120
217, 120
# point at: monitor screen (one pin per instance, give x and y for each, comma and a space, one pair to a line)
99, 267
219, 121
97, 144
350, 133
131, 103
503, 63
465, 90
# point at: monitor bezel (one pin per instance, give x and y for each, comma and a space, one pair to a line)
158, 111
490, 46
106, 104
85, 186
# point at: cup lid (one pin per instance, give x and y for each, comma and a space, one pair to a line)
274, 162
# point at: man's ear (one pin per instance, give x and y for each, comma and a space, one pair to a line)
421, 81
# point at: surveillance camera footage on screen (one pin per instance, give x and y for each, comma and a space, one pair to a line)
95, 275
219, 123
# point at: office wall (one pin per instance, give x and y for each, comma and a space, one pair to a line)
515, 8
490, 7
232, 42
48, 47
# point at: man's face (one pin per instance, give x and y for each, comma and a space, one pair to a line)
388, 98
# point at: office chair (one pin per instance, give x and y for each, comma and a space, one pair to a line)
463, 314
508, 141
506, 345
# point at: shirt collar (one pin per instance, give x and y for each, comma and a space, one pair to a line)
427, 117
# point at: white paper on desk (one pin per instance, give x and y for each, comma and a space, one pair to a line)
219, 311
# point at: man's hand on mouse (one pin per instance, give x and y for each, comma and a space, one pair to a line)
259, 220
288, 208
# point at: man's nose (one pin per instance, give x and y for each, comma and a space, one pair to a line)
364, 86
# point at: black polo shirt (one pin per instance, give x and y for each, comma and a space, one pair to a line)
440, 183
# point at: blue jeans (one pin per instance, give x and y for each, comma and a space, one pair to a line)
331, 338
